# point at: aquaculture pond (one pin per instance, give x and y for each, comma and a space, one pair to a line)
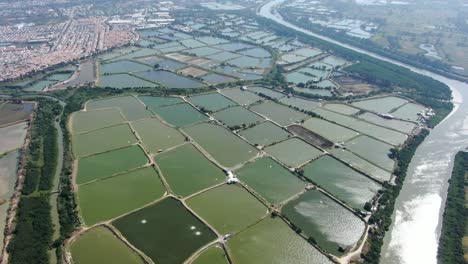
269, 179
101, 245
272, 241
8, 177
328, 130
169, 79
402, 126
12, 112
293, 152
241, 97
131, 108
84, 121
194, 174
123, 81
180, 114
264, 134
300, 103
102, 140
237, 116
382, 104
341, 108
372, 150
166, 231
340, 180
211, 102
409, 112
326, 221
12, 137
361, 164
280, 114
109, 163
215, 78
122, 66
157, 136
213, 255
111, 197
228, 208
152, 102
266, 91
225, 147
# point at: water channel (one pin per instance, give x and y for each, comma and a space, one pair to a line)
414, 234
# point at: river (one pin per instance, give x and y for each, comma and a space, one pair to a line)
414, 234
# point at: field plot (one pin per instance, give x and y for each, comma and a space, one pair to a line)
8, 178
121, 81
237, 116
211, 102
111, 197
241, 97
381, 105
266, 91
362, 164
180, 115
131, 108
329, 130
341, 181
122, 67
321, 218
373, 151
409, 112
228, 208
273, 242
270, 180
293, 152
310, 137
170, 79
213, 255
166, 231
280, 114
152, 102
300, 103
192, 71
265, 134
102, 140
157, 136
215, 78
341, 108
187, 171
100, 245
11, 112
84, 121
390, 136
12, 137
228, 149
109, 163
402, 126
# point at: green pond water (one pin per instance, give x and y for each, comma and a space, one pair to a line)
102, 140
90, 120
409, 112
180, 114
213, 255
123, 67
166, 231
269, 179
228, 208
114, 196
237, 116
381, 105
221, 144
300, 103
281, 114
211, 102
123, 81
272, 242
361, 164
241, 97
169, 79
372, 150
328, 130
100, 245
293, 152
341, 181
131, 108
187, 171
269, 92
157, 136
107, 164
402, 126
341, 108
321, 218
265, 133
152, 102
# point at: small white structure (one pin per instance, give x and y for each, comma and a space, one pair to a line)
244, 88
232, 179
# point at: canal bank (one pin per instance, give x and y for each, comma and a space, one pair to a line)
416, 222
